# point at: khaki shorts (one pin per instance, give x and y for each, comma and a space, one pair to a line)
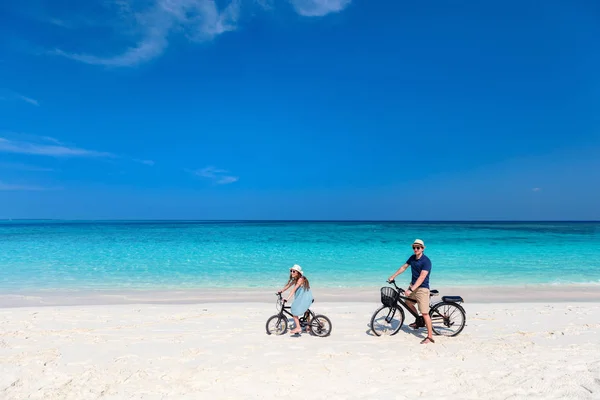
421, 295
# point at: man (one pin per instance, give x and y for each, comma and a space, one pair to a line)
418, 290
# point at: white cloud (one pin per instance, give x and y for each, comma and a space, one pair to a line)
8, 187
46, 138
45, 149
25, 167
218, 176
59, 22
227, 179
536, 189
19, 143
149, 163
198, 20
28, 100
318, 8
10, 95
143, 28
266, 4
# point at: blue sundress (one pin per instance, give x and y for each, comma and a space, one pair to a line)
302, 300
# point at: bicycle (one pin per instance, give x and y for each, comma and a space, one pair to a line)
448, 317
277, 324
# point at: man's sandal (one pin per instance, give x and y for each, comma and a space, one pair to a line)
427, 340
419, 323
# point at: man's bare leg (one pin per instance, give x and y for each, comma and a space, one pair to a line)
412, 307
429, 338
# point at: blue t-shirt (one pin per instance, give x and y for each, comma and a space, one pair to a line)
416, 266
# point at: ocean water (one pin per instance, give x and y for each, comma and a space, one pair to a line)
165, 255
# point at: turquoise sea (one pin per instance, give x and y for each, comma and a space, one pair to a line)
166, 254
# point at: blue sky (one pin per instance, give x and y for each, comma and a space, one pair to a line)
300, 109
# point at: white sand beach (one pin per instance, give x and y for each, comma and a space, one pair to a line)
219, 350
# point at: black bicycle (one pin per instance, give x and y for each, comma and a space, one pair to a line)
319, 325
448, 318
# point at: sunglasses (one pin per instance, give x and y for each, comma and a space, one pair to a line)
416, 247
293, 271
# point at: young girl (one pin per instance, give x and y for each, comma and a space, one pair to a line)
303, 296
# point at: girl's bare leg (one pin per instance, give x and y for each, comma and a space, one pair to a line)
297, 328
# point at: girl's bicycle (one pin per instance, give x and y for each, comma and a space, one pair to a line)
319, 325
448, 318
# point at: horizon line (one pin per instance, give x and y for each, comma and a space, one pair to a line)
296, 220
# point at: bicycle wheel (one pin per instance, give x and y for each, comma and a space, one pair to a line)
277, 325
447, 319
320, 326
387, 321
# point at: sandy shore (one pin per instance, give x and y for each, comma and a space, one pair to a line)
219, 350
479, 294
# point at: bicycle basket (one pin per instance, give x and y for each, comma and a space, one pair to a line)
389, 296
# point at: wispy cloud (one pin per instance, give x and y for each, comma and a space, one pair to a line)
9, 187
216, 175
319, 8
536, 189
18, 143
28, 100
198, 20
48, 149
143, 29
59, 22
25, 167
149, 163
265, 4
9, 95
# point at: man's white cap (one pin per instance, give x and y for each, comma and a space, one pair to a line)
419, 241
298, 268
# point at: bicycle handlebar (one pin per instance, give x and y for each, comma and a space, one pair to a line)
402, 291
393, 282
278, 294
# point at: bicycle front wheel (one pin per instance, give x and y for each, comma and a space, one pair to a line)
387, 321
320, 326
447, 319
277, 325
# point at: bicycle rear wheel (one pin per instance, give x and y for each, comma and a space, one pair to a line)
277, 325
320, 326
387, 321
447, 319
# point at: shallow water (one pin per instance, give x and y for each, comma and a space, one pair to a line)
151, 255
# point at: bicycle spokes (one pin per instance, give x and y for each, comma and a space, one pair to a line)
387, 321
277, 325
447, 319
320, 326
390, 315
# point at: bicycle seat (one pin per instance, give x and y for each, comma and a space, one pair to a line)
433, 293
453, 299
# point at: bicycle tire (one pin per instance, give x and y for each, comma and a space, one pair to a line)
446, 315
385, 322
280, 325
320, 326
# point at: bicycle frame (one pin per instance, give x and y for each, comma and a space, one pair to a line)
403, 303
402, 300
441, 312
284, 310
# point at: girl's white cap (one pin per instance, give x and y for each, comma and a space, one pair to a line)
298, 268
